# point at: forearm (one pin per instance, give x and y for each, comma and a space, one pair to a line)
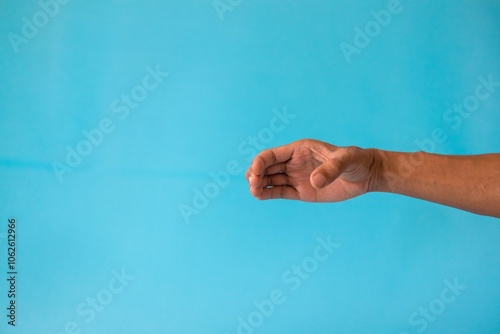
470, 183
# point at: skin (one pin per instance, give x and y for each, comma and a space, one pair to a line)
314, 171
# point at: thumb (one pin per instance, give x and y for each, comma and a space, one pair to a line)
327, 172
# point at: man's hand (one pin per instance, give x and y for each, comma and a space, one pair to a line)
312, 171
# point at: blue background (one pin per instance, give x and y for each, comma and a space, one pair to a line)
120, 207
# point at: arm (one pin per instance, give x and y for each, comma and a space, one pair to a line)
470, 183
314, 171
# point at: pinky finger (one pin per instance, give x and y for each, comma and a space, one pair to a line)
285, 192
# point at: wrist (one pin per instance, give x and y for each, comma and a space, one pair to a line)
378, 171
393, 171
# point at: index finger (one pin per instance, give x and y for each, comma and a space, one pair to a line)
270, 157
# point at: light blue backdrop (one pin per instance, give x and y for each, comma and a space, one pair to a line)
116, 237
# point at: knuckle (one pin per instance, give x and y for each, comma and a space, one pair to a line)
351, 149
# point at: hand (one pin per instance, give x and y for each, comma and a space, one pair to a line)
312, 171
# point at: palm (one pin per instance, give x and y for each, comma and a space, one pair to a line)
285, 173
299, 169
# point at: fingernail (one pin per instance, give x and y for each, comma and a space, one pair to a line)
250, 179
319, 180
